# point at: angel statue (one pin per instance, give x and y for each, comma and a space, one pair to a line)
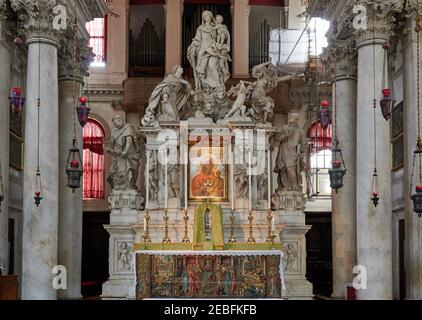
262, 109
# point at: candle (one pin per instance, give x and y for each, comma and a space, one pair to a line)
147, 182
269, 179
166, 183
145, 225
232, 175
186, 178
273, 224
250, 179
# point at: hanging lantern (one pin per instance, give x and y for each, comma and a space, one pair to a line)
74, 168
387, 103
417, 197
324, 115
374, 192
417, 201
83, 111
338, 170
38, 189
16, 101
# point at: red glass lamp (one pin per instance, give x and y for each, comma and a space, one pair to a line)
83, 111
16, 101
387, 103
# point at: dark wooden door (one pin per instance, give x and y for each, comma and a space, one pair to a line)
401, 260
319, 253
95, 241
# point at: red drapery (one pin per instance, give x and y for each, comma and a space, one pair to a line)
320, 139
93, 155
97, 38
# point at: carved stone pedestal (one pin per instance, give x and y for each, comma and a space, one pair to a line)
125, 206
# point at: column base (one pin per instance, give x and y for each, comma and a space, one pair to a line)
119, 289
298, 289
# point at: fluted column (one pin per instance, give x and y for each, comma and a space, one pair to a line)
374, 233
241, 11
40, 224
5, 79
173, 14
343, 202
70, 204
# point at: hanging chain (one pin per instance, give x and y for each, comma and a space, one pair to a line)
419, 139
75, 66
39, 101
335, 94
375, 93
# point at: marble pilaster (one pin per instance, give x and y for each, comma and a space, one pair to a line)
413, 224
173, 16
5, 78
241, 11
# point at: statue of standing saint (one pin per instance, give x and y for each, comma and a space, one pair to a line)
126, 155
290, 159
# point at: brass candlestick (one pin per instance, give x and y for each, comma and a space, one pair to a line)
186, 218
251, 238
166, 219
271, 236
147, 239
232, 220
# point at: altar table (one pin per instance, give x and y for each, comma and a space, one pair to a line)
209, 274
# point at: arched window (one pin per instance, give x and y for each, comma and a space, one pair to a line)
319, 160
93, 137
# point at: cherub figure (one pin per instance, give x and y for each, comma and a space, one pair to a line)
239, 107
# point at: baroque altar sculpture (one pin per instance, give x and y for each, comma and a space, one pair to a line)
209, 261
126, 156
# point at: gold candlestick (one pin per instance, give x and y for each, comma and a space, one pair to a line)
232, 220
166, 219
147, 239
251, 238
186, 218
271, 236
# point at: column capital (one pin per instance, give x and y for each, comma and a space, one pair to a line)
36, 18
7, 26
84, 57
342, 58
382, 12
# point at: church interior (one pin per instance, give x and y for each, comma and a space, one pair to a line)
166, 149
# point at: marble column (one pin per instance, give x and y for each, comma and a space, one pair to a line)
173, 14
240, 52
70, 204
5, 79
40, 224
374, 225
343, 202
413, 234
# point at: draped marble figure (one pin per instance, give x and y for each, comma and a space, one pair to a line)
209, 53
126, 155
171, 94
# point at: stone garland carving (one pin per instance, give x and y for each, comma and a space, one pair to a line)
126, 156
